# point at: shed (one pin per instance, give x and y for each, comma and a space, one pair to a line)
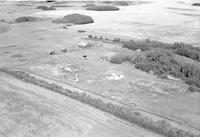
138, 50
84, 45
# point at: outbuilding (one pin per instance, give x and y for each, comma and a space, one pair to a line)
84, 45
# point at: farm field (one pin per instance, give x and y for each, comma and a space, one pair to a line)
52, 51
28, 110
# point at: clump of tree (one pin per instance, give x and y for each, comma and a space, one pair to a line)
46, 7
120, 58
143, 44
90, 36
81, 31
95, 37
185, 50
161, 61
122, 3
103, 8
196, 4
119, 3
179, 48
25, 19
117, 40
124, 112
75, 19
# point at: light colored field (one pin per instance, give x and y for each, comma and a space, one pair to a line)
163, 20
31, 111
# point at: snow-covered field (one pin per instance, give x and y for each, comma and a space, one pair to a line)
164, 20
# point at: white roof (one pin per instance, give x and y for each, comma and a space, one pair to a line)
83, 44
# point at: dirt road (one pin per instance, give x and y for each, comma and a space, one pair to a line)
31, 111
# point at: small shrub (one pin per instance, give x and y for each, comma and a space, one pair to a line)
90, 36
81, 31
118, 40
50, 0
64, 50
52, 53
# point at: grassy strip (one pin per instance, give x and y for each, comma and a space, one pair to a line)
123, 112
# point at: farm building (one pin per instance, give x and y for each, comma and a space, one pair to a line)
84, 45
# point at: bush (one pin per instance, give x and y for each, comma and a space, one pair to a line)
50, 8
163, 62
64, 50
46, 8
42, 7
118, 40
50, 0
81, 31
194, 89
103, 8
75, 19
119, 58
90, 36
121, 111
25, 19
